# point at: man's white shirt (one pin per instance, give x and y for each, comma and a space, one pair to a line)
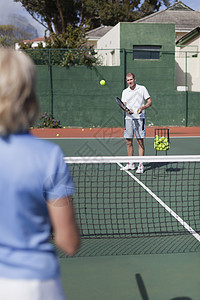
134, 99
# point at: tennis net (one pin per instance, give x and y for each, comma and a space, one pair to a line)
115, 204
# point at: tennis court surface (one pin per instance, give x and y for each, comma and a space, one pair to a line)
140, 232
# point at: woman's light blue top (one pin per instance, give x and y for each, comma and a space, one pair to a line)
32, 171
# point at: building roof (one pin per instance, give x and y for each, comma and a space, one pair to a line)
39, 39
188, 36
98, 32
184, 17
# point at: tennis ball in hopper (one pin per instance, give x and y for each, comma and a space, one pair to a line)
102, 82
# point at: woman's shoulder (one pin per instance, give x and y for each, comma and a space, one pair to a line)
27, 142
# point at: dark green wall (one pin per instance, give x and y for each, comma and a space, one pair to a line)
147, 34
154, 74
43, 88
79, 100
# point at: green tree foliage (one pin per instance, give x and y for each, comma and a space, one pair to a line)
74, 40
102, 12
150, 6
56, 15
110, 12
66, 49
10, 34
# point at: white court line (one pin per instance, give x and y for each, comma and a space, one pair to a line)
183, 223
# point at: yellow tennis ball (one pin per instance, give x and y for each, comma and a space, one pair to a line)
57, 134
83, 129
102, 82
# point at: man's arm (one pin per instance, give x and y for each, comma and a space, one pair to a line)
148, 104
131, 111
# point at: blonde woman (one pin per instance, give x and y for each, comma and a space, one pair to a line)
35, 192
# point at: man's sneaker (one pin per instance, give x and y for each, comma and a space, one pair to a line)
140, 168
129, 166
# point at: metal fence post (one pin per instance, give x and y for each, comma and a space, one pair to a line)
124, 67
186, 92
50, 85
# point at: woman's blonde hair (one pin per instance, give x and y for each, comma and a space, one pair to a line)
18, 102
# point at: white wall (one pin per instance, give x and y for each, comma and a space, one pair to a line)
108, 47
92, 43
34, 44
192, 48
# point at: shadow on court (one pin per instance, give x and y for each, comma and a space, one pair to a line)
143, 291
141, 287
169, 167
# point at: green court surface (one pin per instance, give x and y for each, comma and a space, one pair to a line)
117, 147
144, 268
163, 277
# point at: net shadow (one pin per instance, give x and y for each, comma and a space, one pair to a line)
172, 167
135, 246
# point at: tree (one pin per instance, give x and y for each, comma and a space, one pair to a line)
102, 12
66, 49
110, 12
150, 6
56, 15
10, 34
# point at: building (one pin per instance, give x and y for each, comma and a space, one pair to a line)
186, 43
187, 38
184, 18
34, 42
188, 61
94, 35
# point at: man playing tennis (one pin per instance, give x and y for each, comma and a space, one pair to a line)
137, 99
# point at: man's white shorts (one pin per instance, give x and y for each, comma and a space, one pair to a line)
19, 289
134, 126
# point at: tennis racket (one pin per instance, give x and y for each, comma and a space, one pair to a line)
123, 106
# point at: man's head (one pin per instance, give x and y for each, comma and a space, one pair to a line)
131, 80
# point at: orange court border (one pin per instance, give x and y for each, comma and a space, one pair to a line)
109, 132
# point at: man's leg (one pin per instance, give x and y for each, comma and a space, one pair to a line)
140, 135
129, 145
140, 142
140, 147
128, 135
